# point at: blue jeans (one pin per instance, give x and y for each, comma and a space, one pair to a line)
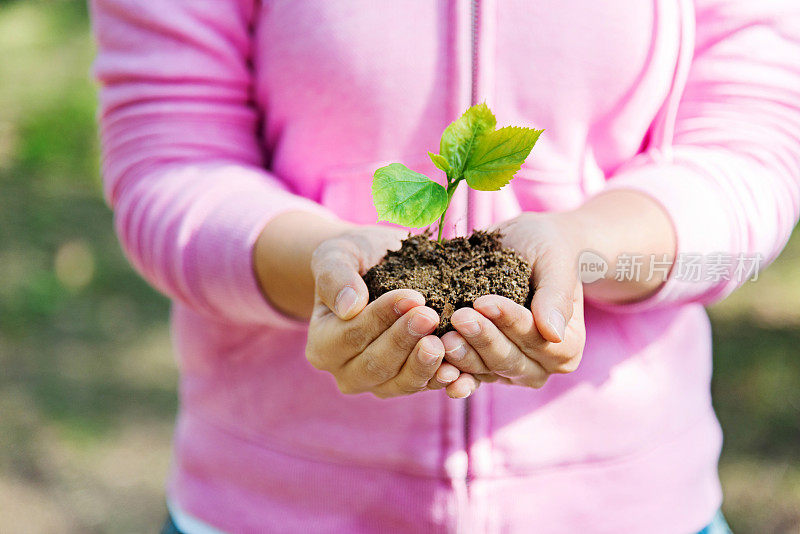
169, 527
718, 525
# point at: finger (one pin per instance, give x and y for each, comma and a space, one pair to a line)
461, 355
444, 375
517, 324
491, 377
419, 368
566, 357
335, 341
554, 277
514, 321
499, 354
463, 387
384, 357
356, 334
339, 286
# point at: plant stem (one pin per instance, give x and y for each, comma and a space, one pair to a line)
441, 226
451, 188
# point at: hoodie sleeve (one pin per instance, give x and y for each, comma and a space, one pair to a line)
731, 183
182, 165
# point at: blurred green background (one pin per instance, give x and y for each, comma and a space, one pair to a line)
87, 381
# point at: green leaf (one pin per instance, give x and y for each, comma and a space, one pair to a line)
439, 161
402, 196
460, 136
497, 156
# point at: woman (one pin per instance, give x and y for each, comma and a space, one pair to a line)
239, 140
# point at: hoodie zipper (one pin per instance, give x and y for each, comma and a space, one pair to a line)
474, 21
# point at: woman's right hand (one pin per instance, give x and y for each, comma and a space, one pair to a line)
383, 347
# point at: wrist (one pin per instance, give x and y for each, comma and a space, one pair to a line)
282, 258
630, 224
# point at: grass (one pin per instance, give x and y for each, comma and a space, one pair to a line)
87, 392
87, 389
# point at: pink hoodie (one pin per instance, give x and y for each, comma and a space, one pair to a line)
217, 115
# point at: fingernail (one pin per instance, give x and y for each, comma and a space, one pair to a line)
448, 374
461, 394
491, 311
469, 328
457, 353
420, 324
403, 306
426, 355
345, 301
557, 323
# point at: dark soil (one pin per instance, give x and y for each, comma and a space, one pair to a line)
451, 275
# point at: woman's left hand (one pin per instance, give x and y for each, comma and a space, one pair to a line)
498, 339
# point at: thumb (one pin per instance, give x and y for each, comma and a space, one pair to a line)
338, 284
554, 280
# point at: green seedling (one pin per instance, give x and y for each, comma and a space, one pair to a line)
471, 149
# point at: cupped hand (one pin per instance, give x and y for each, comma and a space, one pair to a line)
383, 347
497, 339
